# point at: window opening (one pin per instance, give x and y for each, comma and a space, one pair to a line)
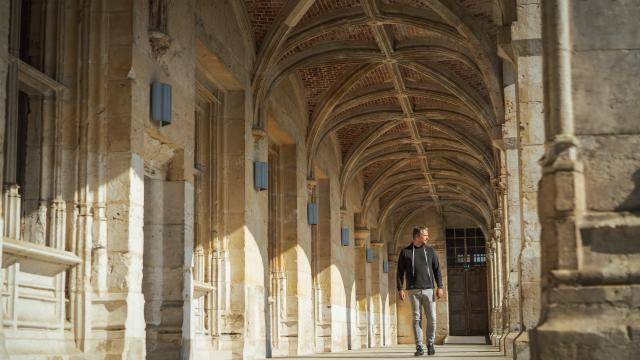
465, 247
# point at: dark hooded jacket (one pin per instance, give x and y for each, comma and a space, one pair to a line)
420, 271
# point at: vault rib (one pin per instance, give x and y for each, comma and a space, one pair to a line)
385, 42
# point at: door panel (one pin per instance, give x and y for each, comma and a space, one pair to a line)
457, 307
477, 301
468, 301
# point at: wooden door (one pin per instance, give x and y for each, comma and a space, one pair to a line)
476, 280
458, 320
468, 301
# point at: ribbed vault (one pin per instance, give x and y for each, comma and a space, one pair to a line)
410, 88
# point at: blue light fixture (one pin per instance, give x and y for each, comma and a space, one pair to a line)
345, 237
161, 103
312, 213
261, 175
369, 255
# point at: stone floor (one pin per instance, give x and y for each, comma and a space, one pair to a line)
448, 351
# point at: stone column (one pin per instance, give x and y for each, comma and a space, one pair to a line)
298, 330
363, 289
343, 298
327, 333
493, 290
122, 306
497, 274
512, 325
393, 300
376, 310
167, 280
385, 293
526, 41
590, 191
245, 232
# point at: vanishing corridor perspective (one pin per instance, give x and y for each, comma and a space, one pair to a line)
228, 179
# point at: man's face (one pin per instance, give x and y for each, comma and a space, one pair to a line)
423, 237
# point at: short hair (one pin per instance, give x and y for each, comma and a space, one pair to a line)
418, 229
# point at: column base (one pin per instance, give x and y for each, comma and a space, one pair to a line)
508, 343
496, 339
521, 346
603, 336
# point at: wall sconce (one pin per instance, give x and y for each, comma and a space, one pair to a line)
344, 238
260, 175
161, 103
369, 255
312, 213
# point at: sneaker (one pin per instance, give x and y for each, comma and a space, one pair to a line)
431, 350
419, 350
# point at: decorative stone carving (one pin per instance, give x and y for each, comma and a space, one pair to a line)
377, 244
160, 43
360, 235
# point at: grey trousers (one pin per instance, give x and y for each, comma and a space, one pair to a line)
423, 299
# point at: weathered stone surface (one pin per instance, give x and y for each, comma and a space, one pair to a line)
384, 115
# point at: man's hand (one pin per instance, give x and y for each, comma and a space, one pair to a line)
439, 293
401, 294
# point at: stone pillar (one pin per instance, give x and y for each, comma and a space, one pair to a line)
343, 298
363, 287
326, 331
393, 300
512, 325
497, 274
385, 293
526, 39
120, 312
298, 330
125, 208
4, 64
590, 191
493, 290
167, 280
377, 298
245, 231
404, 318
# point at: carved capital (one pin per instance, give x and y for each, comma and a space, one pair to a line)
360, 235
258, 133
377, 243
343, 214
160, 43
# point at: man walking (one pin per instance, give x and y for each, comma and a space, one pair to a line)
420, 264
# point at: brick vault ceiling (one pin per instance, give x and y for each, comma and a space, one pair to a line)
408, 88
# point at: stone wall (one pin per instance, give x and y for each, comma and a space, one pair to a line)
589, 192
129, 185
118, 272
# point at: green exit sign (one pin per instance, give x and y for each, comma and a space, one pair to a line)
467, 266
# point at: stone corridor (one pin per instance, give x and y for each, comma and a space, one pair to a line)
236, 179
